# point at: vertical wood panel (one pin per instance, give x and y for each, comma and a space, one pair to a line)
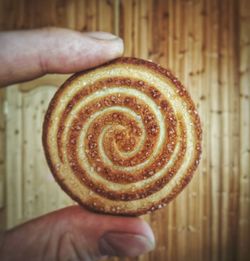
14, 178
212, 25
244, 70
206, 44
2, 162
31, 189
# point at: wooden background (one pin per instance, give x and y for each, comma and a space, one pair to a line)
207, 44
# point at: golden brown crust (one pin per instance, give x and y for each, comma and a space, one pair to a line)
114, 176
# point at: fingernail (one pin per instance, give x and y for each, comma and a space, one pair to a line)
124, 244
102, 36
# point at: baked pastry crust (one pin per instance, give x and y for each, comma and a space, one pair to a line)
123, 138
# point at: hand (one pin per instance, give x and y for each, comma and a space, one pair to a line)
72, 233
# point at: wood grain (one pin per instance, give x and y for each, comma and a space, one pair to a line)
206, 44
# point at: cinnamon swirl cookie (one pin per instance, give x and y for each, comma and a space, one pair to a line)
123, 138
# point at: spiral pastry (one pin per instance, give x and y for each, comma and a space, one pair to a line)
123, 138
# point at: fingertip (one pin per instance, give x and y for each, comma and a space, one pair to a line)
147, 232
124, 244
119, 47
107, 46
126, 236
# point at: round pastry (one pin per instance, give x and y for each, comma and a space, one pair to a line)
123, 138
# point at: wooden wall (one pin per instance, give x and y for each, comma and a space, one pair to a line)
207, 44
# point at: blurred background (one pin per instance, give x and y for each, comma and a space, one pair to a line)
206, 43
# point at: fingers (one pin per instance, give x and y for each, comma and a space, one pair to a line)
26, 55
77, 234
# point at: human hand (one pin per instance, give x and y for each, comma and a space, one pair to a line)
71, 233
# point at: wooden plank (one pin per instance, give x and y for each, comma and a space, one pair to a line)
192, 68
2, 152
200, 77
2, 162
106, 16
244, 70
224, 88
32, 190
215, 131
14, 195
229, 94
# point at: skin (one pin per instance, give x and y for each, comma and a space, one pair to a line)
71, 233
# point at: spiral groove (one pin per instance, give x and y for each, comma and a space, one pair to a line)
123, 138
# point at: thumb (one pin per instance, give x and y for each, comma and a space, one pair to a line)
74, 233
26, 55
115, 236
